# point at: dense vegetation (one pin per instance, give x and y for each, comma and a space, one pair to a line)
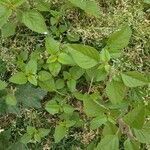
74, 74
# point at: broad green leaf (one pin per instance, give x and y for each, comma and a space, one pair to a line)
76, 72
89, 6
52, 59
92, 108
109, 142
134, 79
52, 107
97, 74
115, 91
68, 109
136, 117
11, 100
72, 85
5, 13
79, 96
31, 67
60, 83
109, 129
98, 121
48, 85
26, 138
3, 85
46, 81
52, 46
44, 76
32, 79
8, 30
19, 78
60, 132
30, 96
34, 21
69, 123
37, 137
54, 68
119, 40
131, 145
84, 56
104, 55
67, 75
43, 132
65, 59
142, 135
31, 130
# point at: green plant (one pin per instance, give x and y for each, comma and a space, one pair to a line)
73, 83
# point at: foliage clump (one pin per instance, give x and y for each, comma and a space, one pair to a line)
74, 74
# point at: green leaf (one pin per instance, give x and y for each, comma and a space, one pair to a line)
31, 67
69, 123
79, 96
84, 56
65, 59
60, 132
131, 145
89, 6
60, 83
34, 21
26, 138
72, 85
115, 91
18, 78
142, 135
52, 59
97, 74
37, 137
48, 85
104, 55
43, 132
136, 117
30, 96
3, 85
119, 40
68, 109
67, 75
76, 72
8, 30
98, 121
31, 130
32, 79
52, 107
109, 129
5, 13
11, 100
54, 68
109, 142
44, 76
92, 108
52, 46
134, 79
